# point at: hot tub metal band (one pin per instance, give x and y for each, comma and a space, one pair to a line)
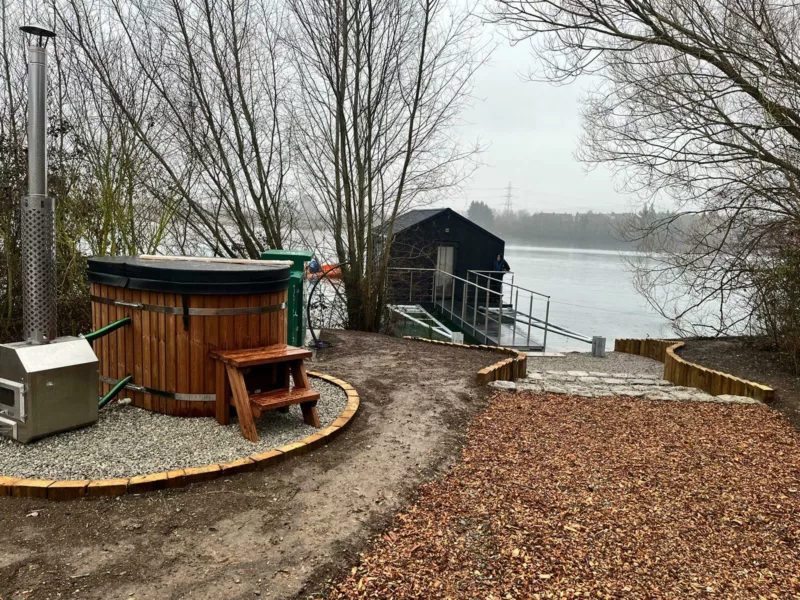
155, 392
196, 312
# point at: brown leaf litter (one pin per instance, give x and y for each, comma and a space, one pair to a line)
566, 497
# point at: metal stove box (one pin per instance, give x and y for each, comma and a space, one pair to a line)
47, 388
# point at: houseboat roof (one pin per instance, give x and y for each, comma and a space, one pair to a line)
415, 217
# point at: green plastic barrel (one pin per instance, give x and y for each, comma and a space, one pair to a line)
296, 329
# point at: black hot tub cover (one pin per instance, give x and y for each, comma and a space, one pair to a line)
188, 276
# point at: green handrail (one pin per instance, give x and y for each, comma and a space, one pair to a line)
90, 337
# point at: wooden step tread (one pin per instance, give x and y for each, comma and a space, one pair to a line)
251, 357
282, 397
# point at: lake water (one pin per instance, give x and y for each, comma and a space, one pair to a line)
590, 292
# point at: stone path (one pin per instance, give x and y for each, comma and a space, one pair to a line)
595, 384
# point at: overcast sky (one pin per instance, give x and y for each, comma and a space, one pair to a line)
531, 131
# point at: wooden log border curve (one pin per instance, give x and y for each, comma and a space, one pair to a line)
510, 369
71, 489
680, 371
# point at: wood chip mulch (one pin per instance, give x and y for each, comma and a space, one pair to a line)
567, 497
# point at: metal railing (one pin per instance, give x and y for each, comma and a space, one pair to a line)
480, 308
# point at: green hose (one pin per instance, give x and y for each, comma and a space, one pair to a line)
114, 391
90, 337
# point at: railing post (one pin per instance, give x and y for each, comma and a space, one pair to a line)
411, 286
486, 320
514, 326
500, 322
546, 320
452, 295
475, 313
463, 301
530, 319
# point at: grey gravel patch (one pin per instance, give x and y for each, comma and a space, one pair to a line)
503, 385
735, 399
529, 387
552, 389
129, 441
636, 385
613, 362
628, 392
658, 396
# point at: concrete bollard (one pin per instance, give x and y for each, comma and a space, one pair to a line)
598, 346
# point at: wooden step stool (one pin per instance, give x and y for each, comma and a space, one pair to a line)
232, 365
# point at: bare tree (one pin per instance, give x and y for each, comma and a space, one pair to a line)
130, 209
202, 86
382, 84
12, 156
697, 101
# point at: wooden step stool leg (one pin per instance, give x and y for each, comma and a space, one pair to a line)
310, 416
282, 376
299, 375
223, 391
241, 400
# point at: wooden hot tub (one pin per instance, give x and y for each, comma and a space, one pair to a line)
181, 310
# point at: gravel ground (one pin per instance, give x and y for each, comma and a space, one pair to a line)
564, 497
129, 441
613, 362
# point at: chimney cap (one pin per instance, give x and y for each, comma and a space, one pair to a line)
38, 30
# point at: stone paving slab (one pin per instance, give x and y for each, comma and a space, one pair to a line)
596, 384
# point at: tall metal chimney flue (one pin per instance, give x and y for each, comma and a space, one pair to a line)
47, 384
39, 313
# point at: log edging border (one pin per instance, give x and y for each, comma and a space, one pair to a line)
509, 369
680, 371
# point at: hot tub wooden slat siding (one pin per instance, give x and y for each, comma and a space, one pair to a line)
130, 346
172, 354
211, 338
138, 351
104, 320
161, 353
182, 365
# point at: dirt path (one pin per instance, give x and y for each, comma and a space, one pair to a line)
272, 534
565, 497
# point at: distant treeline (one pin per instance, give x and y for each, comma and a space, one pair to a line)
579, 230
